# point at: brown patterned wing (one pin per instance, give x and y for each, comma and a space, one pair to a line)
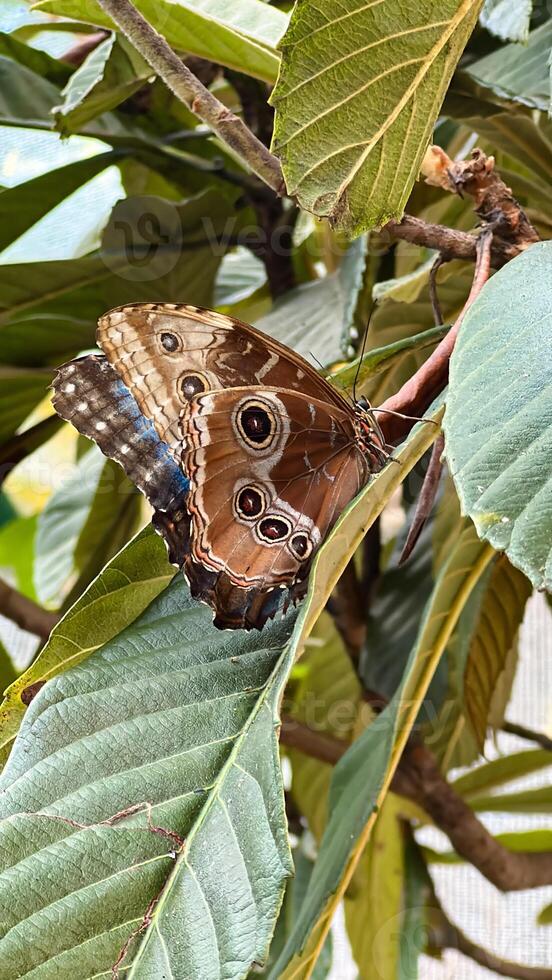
270, 472
167, 354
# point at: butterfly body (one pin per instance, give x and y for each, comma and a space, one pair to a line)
246, 453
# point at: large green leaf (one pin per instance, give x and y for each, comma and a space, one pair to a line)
242, 35
508, 19
25, 204
119, 594
359, 90
181, 716
111, 73
498, 421
520, 73
362, 776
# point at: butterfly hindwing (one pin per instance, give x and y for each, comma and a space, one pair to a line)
90, 394
270, 471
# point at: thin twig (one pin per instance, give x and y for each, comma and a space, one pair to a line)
426, 498
419, 779
419, 391
184, 84
348, 611
528, 734
25, 613
433, 295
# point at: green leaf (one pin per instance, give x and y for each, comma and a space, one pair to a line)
84, 524
38, 61
508, 19
240, 274
545, 916
525, 801
59, 527
242, 35
22, 206
20, 392
8, 672
500, 771
373, 908
178, 714
328, 693
27, 100
499, 413
385, 358
111, 73
492, 656
26, 285
362, 776
525, 135
359, 91
159, 250
120, 593
528, 841
310, 318
519, 73
153, 249
17, 541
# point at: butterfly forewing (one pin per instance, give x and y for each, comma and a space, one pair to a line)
168, 354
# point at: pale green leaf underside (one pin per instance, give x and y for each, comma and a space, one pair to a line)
498, 422
359, 90
179, 714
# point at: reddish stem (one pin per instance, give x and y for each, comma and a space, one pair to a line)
419, 391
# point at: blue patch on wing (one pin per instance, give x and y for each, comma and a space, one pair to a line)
89, 393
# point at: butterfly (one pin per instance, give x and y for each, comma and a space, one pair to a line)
247, 455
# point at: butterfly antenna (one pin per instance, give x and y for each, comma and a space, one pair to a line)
362, 351
320, 365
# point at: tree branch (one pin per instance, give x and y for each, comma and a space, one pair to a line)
419, 391
527, 733
443, 934
26, 613
419, 779
426, 498
229, 127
